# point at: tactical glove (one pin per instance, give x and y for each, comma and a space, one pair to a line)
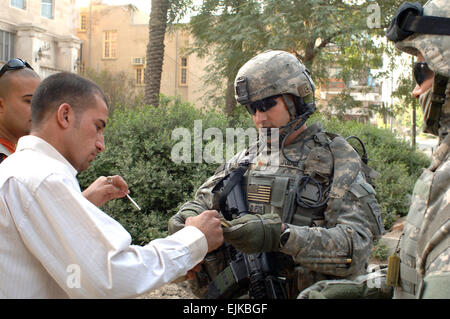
254, 233
367, 286
351, 290
177, 221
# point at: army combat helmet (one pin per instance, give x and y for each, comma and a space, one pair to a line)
275, 73
426, 30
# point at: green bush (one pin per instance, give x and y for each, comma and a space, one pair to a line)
380, 251
139, 146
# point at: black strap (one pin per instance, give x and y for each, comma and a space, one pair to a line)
232, 179
409, 19
235, 178
427, 24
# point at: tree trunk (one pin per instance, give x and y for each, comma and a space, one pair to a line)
155, 51
230, 100
310, 54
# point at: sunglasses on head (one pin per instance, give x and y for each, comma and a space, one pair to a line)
14, 64
262, 105
421, 72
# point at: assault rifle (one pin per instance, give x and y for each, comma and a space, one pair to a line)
255, 273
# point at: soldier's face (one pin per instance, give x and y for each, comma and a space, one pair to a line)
275, 117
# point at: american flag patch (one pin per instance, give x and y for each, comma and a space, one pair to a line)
259, 193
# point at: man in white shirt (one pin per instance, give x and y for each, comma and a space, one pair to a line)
54, 243
18, 81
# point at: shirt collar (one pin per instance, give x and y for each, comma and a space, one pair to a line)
39, 145
9, 146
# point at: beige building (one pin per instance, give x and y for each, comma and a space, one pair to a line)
41, 32
362, 88
365, 91
115, 38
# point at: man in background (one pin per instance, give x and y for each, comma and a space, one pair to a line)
17, 84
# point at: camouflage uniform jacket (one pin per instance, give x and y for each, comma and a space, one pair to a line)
332, 241
425, 243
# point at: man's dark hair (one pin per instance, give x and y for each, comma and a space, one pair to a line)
62, 88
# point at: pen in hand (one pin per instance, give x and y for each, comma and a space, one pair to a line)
109, 179
134, 203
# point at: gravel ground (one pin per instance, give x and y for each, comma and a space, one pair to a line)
170, 291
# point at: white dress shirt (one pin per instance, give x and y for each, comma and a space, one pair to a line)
54, 243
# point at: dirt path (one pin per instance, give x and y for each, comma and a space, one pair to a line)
170, 291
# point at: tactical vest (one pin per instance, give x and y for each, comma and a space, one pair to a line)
276, 189
300, 192
426, 230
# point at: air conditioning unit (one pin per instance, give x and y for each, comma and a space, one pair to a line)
138, 61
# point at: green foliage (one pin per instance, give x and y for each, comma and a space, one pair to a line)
380, 251
231, 32
118, 87
322, 33
139, 146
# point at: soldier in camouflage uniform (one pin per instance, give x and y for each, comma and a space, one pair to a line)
424, 250
420, 267
309, 200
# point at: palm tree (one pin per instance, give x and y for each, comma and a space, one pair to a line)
155, 51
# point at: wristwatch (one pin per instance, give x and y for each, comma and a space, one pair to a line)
285, 235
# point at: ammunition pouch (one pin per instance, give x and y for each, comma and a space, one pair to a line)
432, 105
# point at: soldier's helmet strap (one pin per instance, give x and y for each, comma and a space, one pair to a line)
409, 19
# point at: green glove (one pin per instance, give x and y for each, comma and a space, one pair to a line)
254, 233
351, 290
344, 290
371, 285
177, 221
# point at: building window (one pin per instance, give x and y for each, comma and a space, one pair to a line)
6, 46
21, 4
47, 9
83, 22
184, 71
139, 75
109, 44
